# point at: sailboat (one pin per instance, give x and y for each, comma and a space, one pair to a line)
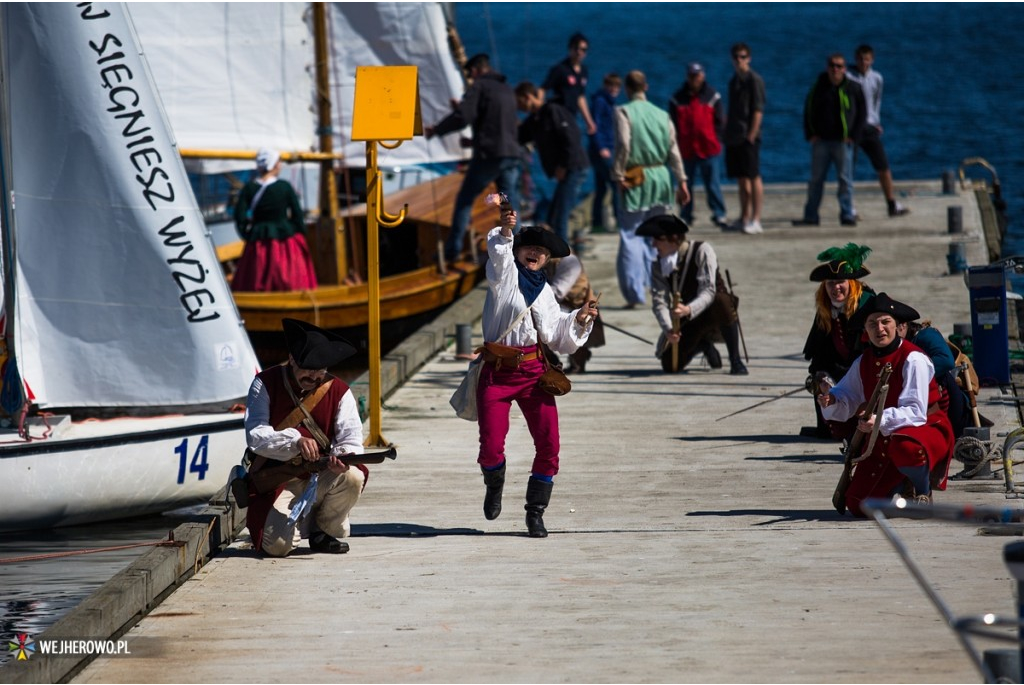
124, 350
237, 77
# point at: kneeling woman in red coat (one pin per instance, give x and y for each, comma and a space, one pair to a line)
915, 439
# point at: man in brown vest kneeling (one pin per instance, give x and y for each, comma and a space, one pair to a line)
297, 412
689, 298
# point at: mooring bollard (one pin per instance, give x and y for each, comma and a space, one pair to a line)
463, 341
955, 219
957, 258
948, 183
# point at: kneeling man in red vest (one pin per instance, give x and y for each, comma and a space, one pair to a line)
914, 442
296, 410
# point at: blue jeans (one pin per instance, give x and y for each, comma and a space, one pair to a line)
711, 174
602, 185
504, 171
564, 200
840, 155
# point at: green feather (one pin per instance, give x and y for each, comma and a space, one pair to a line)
851, 253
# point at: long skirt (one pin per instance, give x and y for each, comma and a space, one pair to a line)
271, 264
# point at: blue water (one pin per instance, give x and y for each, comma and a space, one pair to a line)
951, 90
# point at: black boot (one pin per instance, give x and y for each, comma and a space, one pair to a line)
495, 482
538, 494
731, 335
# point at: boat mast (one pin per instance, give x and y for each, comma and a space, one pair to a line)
329, 227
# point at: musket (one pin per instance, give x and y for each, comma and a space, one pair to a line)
675, 329
273, 473
853, 450
739, 326
972, 393
778, 397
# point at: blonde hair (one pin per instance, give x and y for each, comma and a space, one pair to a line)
823, 305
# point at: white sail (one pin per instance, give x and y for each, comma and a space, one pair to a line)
392, 34
118, 296
232, 76
240, 76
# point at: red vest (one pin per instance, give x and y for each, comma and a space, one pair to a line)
871, 365
281, 405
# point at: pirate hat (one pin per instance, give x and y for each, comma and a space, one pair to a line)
882, 303
842, 263
663, 224
314, 348
534, 235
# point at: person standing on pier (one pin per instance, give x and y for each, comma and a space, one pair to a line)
689, 299
275, 431
697, 112
831, 344
742, 138
566, 82
559, 143
489, 107
520, 312
834, 115
914, 440
871, 139
600, 149
646, 159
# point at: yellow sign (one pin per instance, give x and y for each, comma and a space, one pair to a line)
387, 104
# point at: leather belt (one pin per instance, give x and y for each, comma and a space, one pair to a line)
511, 363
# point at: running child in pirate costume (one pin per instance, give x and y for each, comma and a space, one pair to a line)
521, 311
689, 299
316, 506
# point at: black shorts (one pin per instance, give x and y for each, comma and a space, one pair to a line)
743, 160
871, 144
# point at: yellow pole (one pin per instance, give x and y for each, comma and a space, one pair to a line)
374, 439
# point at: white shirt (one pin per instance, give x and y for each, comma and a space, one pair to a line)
871, 83
546, 323
705, 262
911, 408
261, 437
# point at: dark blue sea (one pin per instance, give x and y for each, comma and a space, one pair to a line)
951, 90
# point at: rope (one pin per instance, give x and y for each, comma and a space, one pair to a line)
198, 561
78, 552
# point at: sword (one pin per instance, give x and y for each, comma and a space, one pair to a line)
779, 397
625, 332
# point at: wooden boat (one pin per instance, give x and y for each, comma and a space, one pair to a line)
124, 358
414, 284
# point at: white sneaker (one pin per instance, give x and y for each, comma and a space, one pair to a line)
753, 227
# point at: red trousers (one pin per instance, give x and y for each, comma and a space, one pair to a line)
495, 393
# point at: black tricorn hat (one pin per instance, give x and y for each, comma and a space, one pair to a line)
314, 348
842, 263
663, 224
883, 304
534, 235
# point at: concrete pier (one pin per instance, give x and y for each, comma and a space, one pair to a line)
684, 547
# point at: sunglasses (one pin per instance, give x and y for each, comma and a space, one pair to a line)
836, 65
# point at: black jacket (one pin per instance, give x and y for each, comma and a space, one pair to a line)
834, 112
554, 131
489, 106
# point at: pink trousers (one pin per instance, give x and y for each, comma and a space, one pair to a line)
495, 393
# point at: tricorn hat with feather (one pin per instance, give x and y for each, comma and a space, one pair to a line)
842, 263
